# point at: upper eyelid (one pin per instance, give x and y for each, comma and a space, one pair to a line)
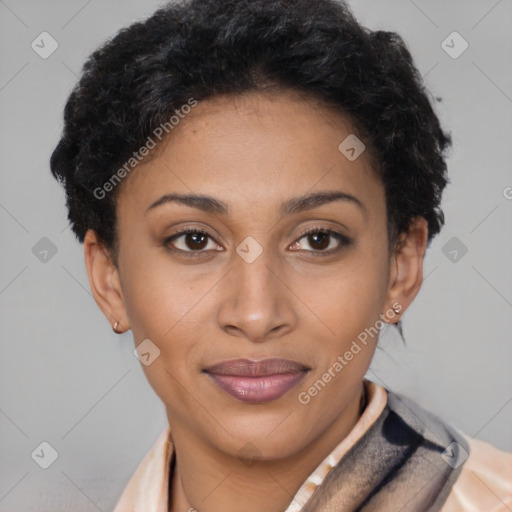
203, 231
313, 229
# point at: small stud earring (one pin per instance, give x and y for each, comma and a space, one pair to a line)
115, 327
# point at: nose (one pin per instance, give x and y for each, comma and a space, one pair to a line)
257, 302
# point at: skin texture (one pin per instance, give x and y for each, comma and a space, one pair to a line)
253, 152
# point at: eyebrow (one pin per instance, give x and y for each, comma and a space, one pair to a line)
298, 204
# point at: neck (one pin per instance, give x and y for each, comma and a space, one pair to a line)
206, 479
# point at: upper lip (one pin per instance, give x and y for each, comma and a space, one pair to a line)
250, 368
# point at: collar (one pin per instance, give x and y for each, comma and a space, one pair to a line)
148, 488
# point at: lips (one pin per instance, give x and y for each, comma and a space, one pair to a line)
257, 381
248, 368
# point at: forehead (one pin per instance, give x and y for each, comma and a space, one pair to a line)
254, 149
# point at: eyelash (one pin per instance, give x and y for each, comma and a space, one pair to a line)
345, 241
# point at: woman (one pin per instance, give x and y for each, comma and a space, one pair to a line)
256, 183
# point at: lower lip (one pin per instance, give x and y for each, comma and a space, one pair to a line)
258, 390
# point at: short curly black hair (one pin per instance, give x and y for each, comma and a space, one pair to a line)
198, 49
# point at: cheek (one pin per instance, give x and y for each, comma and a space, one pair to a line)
164, 306
157, 296
159, 310
351, 306
355, 297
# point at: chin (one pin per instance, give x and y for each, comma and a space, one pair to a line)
270, 438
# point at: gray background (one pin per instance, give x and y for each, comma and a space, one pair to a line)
66, 379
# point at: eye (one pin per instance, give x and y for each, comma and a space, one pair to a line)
322, 241
193, 241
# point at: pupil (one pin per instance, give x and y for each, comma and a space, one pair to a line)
196, 245
325, 236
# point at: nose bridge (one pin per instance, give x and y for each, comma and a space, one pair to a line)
255, 301
254, 275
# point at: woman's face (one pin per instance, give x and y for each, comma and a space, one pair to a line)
255, 286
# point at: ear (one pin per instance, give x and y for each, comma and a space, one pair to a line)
104, 282
406, 271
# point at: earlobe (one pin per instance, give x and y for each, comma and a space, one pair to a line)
104, 282
407, 267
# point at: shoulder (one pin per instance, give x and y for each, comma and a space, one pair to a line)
485, 482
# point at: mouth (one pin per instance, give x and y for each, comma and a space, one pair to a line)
257, 381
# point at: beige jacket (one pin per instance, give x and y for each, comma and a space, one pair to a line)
483, 485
